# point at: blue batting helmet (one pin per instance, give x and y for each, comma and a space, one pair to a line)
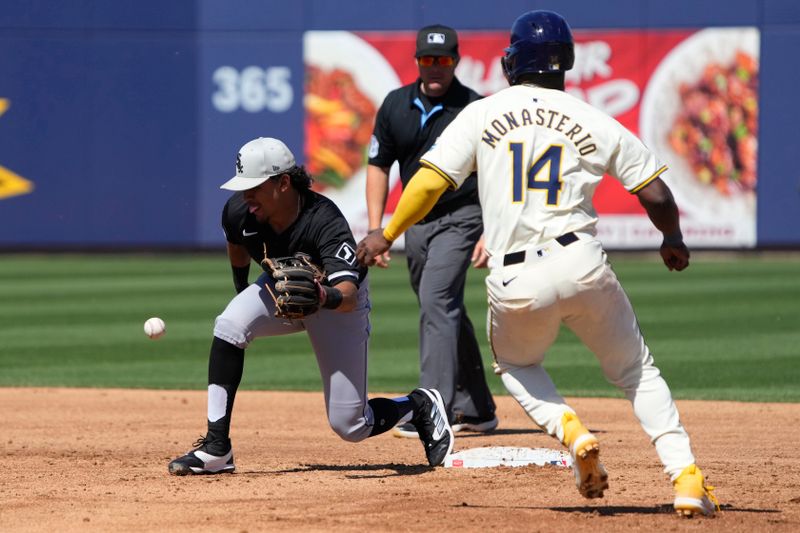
541, 41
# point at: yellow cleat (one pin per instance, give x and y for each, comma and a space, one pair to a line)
590, 476
692, 495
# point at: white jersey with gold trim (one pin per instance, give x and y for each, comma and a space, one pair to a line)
540, 154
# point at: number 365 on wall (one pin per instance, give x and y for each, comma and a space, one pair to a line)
253, 89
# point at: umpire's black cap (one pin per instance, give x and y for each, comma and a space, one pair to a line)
437, 40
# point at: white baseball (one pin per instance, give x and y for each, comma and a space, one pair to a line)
155, 327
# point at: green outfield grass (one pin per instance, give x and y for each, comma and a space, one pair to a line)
725, 329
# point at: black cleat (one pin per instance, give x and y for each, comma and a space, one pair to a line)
460, 424
473, 423
208, 457
432, 425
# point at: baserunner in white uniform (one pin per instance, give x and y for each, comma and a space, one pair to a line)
540, 154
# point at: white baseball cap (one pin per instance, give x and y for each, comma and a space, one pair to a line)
257, 161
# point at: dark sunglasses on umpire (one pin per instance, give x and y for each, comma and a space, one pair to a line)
428, 61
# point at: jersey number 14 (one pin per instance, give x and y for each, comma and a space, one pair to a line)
549, 162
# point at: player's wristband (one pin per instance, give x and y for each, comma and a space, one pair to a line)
674, 239
240, 274
333, 297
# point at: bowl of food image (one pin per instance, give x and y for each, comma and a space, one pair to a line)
699, 114
346, 82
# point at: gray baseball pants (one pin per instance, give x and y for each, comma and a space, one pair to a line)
438, 255
339, 341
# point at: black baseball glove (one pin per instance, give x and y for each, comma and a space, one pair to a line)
296, 293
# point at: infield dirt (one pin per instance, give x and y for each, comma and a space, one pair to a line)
96, 460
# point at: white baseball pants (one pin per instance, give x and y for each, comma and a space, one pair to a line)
574, 284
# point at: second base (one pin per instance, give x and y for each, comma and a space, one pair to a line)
494, 456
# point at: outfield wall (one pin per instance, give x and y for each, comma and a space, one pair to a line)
118, 120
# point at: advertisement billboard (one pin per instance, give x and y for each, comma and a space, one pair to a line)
690, 95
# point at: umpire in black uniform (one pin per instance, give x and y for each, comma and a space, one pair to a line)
440, 247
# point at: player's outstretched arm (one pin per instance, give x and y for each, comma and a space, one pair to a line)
657, 200
418, 198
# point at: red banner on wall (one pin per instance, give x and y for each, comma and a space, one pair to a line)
690, 95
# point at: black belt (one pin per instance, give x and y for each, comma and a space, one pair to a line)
519, 257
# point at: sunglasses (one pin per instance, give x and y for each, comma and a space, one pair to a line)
442, 61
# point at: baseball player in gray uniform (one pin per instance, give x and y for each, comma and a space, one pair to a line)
275, 214
540, 153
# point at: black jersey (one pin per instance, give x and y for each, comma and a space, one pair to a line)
320, 231
407, 125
